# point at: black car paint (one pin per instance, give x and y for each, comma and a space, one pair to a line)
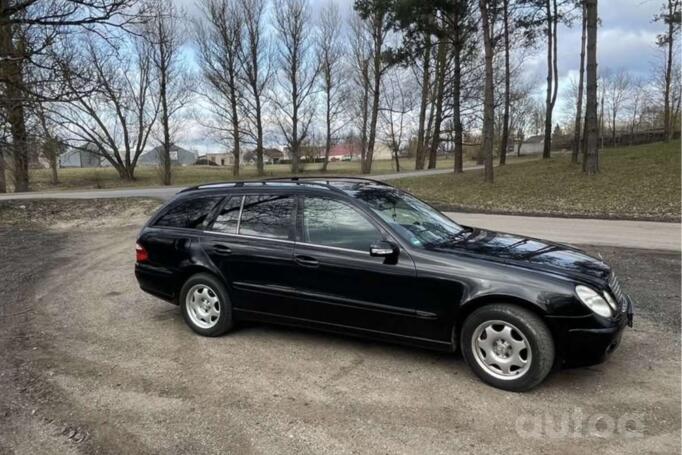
420, 299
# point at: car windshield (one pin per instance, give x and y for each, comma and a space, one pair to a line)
415, 221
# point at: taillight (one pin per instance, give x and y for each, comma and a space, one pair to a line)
141, 254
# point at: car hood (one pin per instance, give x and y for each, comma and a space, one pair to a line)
529, 253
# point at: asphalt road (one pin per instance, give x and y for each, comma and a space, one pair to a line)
628, 234
89, 364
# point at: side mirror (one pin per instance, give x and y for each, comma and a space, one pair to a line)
384, 249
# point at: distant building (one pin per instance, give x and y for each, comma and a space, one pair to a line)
178, 155
348, 151
533, 145
270, 156
219, 159
79, 157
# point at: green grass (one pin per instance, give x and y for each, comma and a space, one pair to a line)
640, 182
148, 176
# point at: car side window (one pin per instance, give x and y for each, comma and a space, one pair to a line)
191, 213
334, 223
267, 216
228, 218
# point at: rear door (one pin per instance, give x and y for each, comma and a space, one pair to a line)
338, 278
251, 241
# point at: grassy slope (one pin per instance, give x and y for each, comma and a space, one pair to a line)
641, 182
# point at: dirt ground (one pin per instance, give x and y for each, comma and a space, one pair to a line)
90, 364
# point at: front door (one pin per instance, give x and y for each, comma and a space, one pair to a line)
340, 281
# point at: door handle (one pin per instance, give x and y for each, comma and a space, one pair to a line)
306, 261
219, 248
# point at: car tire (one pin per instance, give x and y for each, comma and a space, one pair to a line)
507, 346
205, 305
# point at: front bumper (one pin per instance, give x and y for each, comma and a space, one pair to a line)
589, 345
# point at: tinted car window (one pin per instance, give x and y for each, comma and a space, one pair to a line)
267, 216
191, 213
227, 219
333, 223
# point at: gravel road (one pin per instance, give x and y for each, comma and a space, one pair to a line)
90, 364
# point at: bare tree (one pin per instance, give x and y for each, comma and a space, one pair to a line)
50, 146
439, 93
544, 16
617, 88
374, 12
399, 99
218, 38
462, 32
507, 85
360, 45
581, 84
591, 158
671, 17
165, 36
297, 72
28, 30
425, 90
635, 105
330, 54
488, 102
116, 118
256, 71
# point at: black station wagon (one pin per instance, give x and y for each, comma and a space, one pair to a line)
360, 257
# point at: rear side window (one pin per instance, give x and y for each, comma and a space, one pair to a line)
228, 218
267, 216
191, 213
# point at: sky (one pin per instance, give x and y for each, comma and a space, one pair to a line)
626, 40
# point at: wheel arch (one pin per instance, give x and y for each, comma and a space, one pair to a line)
185, 273
472, 305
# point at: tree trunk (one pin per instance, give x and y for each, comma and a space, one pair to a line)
507, 95
365, 110
165, 125
591, 162
667, 127
397, 159
260, 168
581, 83
547, 145
51, 152
125, 172
53, 167
328, 124
3, 180
613, 128
456, 101
488, 101
552, 74
378, 26
13, 97
20, 156
328, 140
421, 134
235, 125
440, 88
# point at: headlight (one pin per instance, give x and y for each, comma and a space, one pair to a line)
610, 300
594, 301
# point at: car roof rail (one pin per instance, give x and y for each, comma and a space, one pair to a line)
325, 178
321, 181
